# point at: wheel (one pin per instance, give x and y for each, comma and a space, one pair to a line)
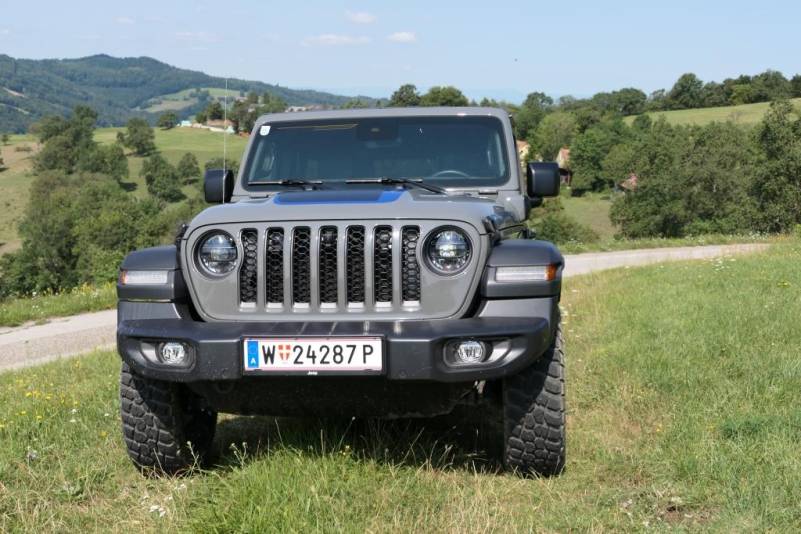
164, 426
534, 415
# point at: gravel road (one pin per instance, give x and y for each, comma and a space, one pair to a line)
34, 344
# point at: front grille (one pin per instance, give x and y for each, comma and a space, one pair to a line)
382, 261
301, 266
248, 272
410, 267
328, 265
274, 266
331, 267
355, 264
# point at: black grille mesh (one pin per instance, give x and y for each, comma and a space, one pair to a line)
355, 264
301, 266
410, 268
248, 272
274, 268
382, 264
328, 264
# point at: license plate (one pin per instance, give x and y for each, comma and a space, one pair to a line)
314, 355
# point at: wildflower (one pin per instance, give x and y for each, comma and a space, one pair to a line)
73, 420
103, 434
22, 413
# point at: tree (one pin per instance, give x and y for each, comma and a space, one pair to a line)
530, 113
405, 96
109, 160
444, 96
272, 104
214, 111
139, 137
161, 179
188, 168
201, 117
795, 86
4, 138
65, 141
687, 92
777, 187
555, 131
168, 120
355, 103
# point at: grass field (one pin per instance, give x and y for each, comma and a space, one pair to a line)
181, 99
14, 182
591, 210
746, 114
684, 386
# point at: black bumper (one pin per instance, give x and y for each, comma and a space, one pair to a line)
414, 350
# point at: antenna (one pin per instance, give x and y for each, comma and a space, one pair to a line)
225, 130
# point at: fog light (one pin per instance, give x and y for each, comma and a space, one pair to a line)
469, 352
173, 353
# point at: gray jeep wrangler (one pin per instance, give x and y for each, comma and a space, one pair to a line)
362, 263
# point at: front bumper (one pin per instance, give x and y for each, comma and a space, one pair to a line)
414, 350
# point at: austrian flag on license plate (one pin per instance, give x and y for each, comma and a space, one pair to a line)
313, 355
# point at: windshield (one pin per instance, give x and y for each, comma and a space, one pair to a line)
458, 152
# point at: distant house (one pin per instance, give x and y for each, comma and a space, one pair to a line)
522, 150
185, 124
630, 183
563, 160
293, 109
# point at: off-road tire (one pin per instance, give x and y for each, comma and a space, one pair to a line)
534, 415
165, 428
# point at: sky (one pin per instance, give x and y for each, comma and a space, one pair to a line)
503, 49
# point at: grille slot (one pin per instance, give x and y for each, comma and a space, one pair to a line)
248, 272
382, 264
274, 266
328, 265
301, 266
410, 267
354, 261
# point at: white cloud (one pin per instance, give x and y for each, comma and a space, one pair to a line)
360, 17
402, 37
5, 31
332, 39
124, 20
197, 37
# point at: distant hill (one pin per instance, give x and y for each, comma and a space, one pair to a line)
745, 114
118, 88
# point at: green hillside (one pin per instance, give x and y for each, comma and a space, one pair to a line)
745, 114
118, 88
172, 144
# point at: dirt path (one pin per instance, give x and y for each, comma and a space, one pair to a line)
69, 336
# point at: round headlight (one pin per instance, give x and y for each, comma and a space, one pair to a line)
448, 251
217, 254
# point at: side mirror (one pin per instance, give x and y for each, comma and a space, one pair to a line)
543, 179
218, 186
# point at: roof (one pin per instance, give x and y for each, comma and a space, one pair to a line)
370, 113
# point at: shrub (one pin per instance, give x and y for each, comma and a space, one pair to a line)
560, 228
76, 229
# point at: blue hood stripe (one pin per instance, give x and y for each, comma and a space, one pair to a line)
338, 197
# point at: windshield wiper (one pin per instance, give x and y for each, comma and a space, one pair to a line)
415, 182
291, 182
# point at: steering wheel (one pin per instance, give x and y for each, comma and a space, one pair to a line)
450, 171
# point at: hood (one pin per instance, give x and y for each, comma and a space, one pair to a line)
358, 203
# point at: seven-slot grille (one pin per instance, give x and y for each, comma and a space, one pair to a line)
332, 267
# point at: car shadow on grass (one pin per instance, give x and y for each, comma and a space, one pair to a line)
466, 439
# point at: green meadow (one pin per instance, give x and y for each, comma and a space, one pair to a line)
683, 415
